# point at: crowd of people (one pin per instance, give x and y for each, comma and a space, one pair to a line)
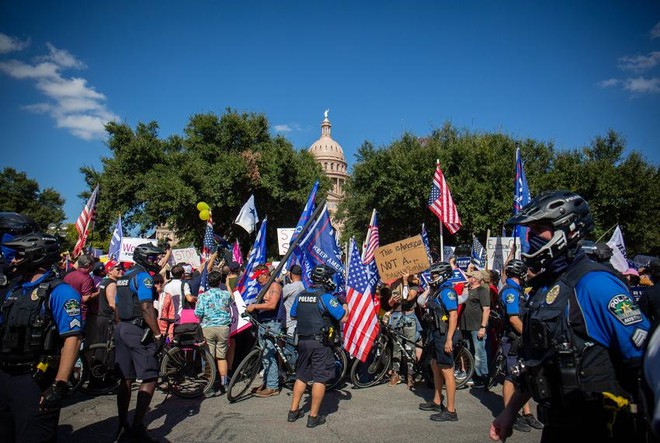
570, 326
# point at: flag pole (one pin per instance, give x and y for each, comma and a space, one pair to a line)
487, 238
606, 232
442, 242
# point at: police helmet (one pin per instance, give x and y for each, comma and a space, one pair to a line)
566, 213
440, 272
323, 275
653, 267
16, 224
146, 255
516, 268
35, 250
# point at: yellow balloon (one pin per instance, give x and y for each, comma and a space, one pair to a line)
204, 214
201, 206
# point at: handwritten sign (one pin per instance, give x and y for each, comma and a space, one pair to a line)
284, 238
185, 255
128, 245
407, 255
497, 250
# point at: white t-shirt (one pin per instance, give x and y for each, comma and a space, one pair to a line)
174, 289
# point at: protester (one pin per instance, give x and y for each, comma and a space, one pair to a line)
80, 280
97, 330
233, 276
179, 292
213, 309
474, 321
289, 292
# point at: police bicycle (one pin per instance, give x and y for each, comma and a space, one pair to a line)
378, 363
187, 368
98, 373
247, 370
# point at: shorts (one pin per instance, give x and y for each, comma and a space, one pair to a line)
511, 360
437, 342
316, 362
133, 359
217, 339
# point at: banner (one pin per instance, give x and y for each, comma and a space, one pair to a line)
185, 255
128, 244
284, 236
406, 255
619, 257
497, 250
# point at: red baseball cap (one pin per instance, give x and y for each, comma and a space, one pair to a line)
111, 264
259, 272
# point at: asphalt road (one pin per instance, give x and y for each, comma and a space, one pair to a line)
375, 414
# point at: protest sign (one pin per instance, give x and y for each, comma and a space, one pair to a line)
497, 250
407, 255
185, 255
238, 323
284, 239
128, 244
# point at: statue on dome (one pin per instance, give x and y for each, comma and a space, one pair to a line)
325, 114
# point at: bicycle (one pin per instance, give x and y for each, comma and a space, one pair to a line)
99, 376
187, 367
249, 367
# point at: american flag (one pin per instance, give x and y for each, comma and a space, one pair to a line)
209, 240
85, 221
372, 243
441, 203
362, 326
115, 241
478, 253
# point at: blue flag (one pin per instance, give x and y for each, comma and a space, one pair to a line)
320, 247
478, 253
297, 257
426, 275
115, 241
204, 280
521, 197
249, 288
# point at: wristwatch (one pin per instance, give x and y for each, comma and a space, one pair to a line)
482, 327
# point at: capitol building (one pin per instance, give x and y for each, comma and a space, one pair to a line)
329, 154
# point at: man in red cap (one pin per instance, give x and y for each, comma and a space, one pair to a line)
97, 333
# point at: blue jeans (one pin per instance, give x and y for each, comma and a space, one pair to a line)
480, 356
269, 361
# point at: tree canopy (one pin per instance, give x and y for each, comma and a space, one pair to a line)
480, 168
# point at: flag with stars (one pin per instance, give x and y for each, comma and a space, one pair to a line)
478, 253
209, 244
442, 204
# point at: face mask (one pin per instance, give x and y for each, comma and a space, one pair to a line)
8, 253
551, 264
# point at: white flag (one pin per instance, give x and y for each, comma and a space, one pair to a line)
248, 218
619, 257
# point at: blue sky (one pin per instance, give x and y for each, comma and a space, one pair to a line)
559, 71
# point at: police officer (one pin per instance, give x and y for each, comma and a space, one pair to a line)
442, 319
318, 313
583, 336
513, 300
40, 330
11, 225
137, 339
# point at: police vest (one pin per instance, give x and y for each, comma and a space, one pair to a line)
28, 330
128, 305
104, 307
313, 317
522, 307
565, 365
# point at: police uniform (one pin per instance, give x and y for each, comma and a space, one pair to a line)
513, 300
34, 317
583, 342
135, 360
318, 314
445, 301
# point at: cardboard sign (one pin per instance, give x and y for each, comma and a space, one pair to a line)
185, 255
238, 323
128, 244
497, 250
284, 238
407, 255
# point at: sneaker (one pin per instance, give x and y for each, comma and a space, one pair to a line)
532, 421
268, 392
410, 382
520, 425
459, 375
445, 415
394, 380
476, 383
431, 406
313, 422
140, 434
295, 415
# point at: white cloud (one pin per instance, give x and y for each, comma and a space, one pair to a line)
640, 63
73, 103
655, 32
282, 128
10, 44
642, 85
611, 82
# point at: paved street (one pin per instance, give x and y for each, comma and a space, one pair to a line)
376, 414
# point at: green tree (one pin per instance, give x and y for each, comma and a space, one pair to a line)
23, 194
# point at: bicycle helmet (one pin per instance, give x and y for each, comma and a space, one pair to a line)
36, 250
146, 255
566, 213
440, 272
516, 268
323, 275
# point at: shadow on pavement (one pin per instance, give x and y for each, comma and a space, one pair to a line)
490, 399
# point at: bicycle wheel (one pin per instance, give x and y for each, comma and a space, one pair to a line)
375, 367
498, 371
78, 375
189, 371
244, 375
341, 363
463, 366
101, 375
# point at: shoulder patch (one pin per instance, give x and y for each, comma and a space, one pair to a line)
35, 294
552, 294
624, 309
333, 302
639, 337
75, 323
451, 295
510, 298
148, 282
72, 307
